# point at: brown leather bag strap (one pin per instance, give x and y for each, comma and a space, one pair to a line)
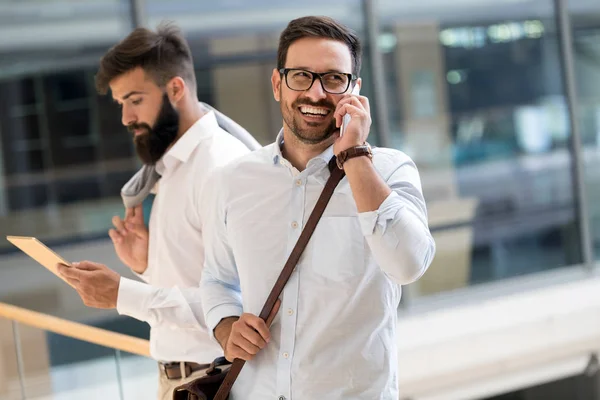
336, 176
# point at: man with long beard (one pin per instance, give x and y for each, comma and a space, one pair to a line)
151, 76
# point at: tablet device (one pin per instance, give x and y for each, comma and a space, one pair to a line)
39, 252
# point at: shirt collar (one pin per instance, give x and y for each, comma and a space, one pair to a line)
325, 156
277, 148
182, 149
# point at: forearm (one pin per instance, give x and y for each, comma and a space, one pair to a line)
368, 188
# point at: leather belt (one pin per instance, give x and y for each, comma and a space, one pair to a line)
181, 370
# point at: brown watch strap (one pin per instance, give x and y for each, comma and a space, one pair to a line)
356, 151
336, 176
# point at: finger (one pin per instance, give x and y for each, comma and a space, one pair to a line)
273, 313
75, 284
259, 326
364, 101
119, 225
87, 266
247, 335
68, 272
356, 101
138, 229
115, 236
129, 213
340, 111
247, 344
237, 352
341, 103
353, 110
338, 119
138, 214
353, 101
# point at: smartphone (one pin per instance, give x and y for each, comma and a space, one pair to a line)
39, 252
346, 119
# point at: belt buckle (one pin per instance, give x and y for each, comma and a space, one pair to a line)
164, 369
185, 370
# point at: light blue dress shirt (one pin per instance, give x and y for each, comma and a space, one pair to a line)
335, 334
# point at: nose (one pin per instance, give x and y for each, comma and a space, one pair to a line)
316, 91
127, 116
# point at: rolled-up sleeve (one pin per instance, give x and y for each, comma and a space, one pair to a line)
398, 232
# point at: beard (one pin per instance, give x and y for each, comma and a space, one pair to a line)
315, 133
152, 144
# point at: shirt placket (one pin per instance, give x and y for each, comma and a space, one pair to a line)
289, 306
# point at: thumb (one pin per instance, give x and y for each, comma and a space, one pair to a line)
273, 313
86, 265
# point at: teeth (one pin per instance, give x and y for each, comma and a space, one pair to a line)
313, 110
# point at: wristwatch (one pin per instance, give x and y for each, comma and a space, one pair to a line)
356, 151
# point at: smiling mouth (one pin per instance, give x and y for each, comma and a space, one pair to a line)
314, 112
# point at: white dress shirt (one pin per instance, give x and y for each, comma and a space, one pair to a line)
335, 334
176, 251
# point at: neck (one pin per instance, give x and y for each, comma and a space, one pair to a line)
299, 153
189, 113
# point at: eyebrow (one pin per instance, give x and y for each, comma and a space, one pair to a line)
132, 93
326, 72
128, 95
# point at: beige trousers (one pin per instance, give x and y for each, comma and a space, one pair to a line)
166, 386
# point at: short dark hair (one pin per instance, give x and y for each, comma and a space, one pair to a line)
319, 27
163, 55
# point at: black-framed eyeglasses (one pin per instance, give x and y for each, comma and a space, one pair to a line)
301, 80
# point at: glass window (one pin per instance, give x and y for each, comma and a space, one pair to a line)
477, 101
235, 51
585, 21
59, 145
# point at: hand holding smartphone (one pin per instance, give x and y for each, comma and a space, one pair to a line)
346, 119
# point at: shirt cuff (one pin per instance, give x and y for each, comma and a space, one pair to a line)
386, 212
214, 316
132, 299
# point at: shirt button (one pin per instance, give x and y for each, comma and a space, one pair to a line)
285, 355
294, 224
299, 182
290, 312
281, 398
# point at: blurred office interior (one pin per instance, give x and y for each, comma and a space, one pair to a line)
498, 103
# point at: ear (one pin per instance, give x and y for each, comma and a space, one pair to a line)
359, 83
276, 83
176, 89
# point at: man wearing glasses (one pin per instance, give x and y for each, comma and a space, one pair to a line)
335, 334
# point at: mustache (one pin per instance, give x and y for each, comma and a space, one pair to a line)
321, 103
136, 127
